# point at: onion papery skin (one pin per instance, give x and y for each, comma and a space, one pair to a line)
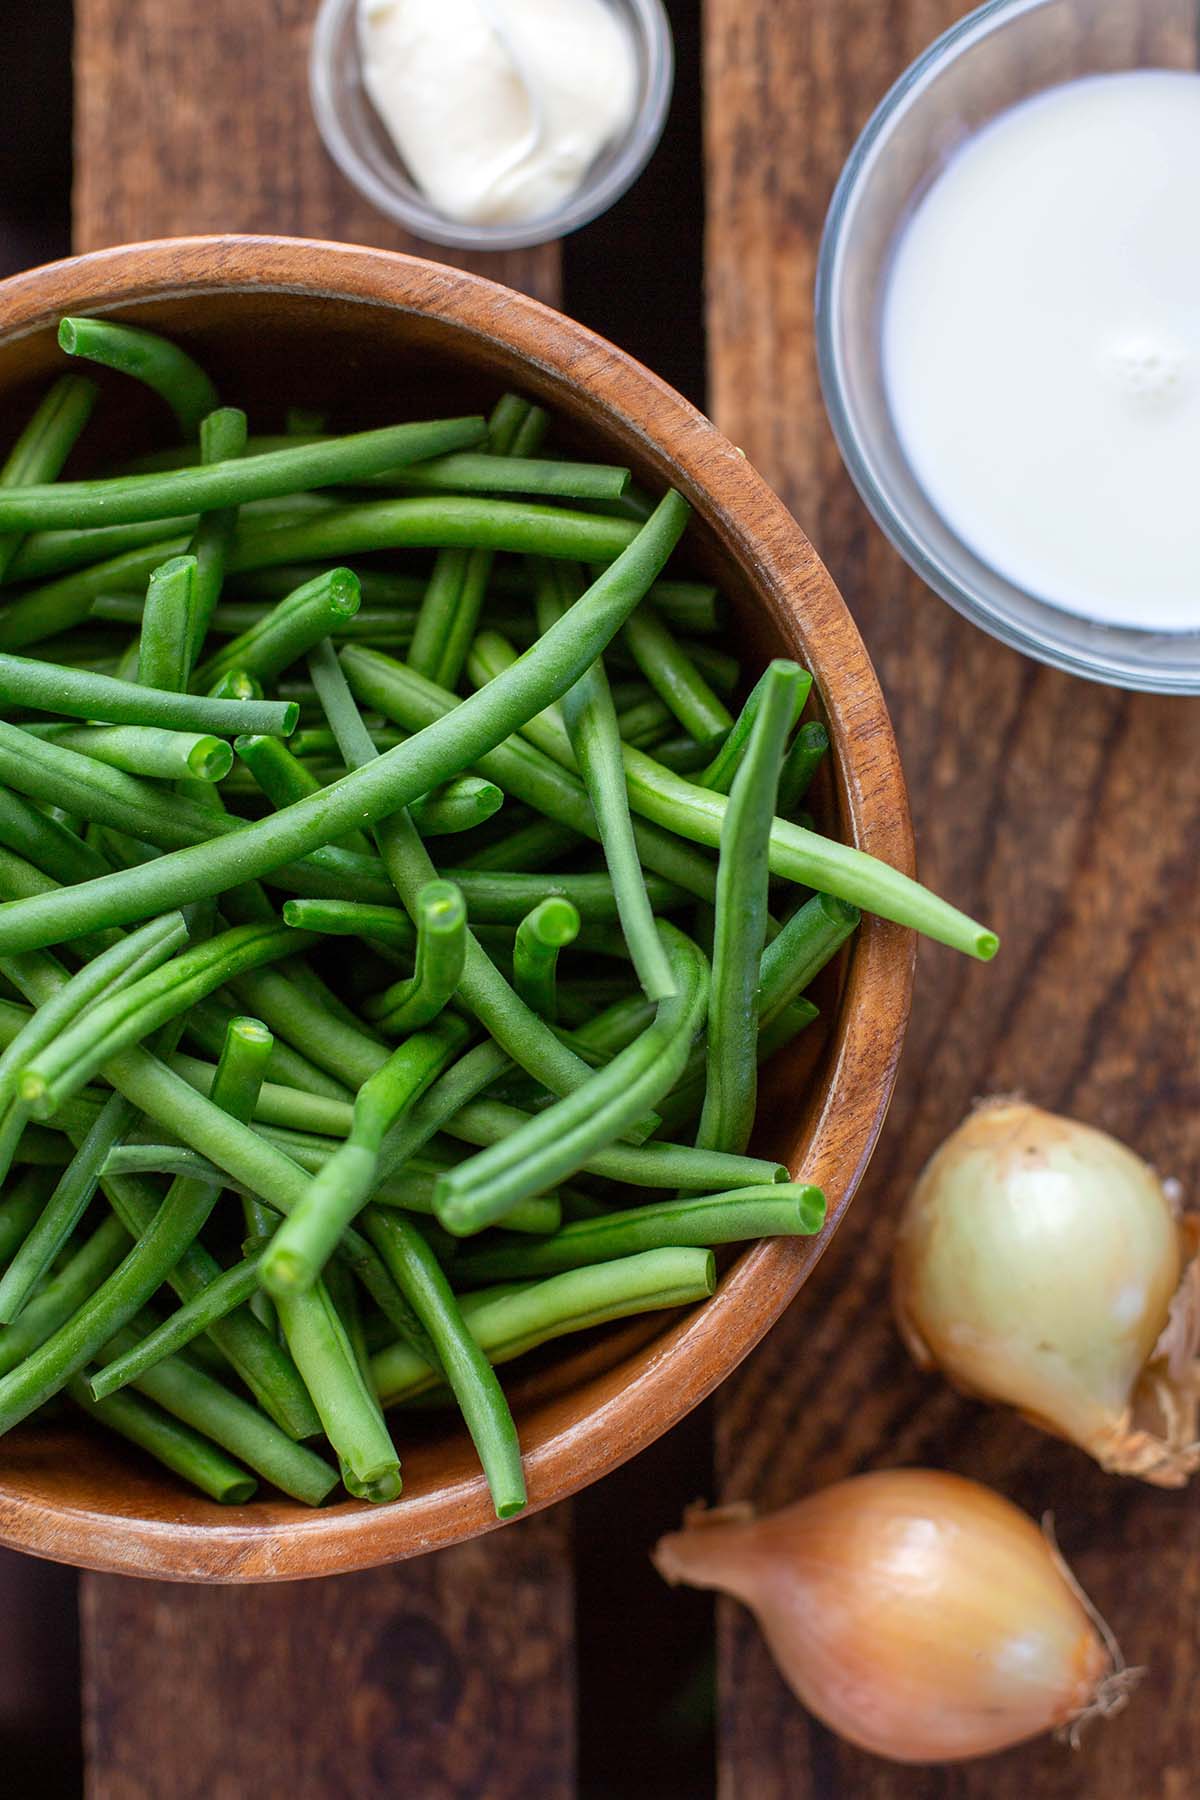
917, 1614
1036, 1265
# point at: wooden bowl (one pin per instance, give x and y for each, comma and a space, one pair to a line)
369, 335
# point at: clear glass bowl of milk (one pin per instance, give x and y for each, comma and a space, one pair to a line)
1008, 327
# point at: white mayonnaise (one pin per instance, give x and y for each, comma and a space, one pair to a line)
498, 107
1041, 341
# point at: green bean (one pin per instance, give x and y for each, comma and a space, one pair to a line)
515, 765
45, 553
381, 588
801, 764
780, 1210
222, 439
278, 1103
45, 842
556, 1142
62, 1295
112, 971
388, 925
646, 724
810, 938
377, 625
550, 927
681, 1107
231, 1289
675, 678
471, 1076
47, 687
464, 1364
653, 1165
208, 487
44, 445
19, 1207
456, 806
505, 896
609, 1031
689, 605
720, 772
788, 1023
303, 1244
188, 1394
591, 724
61, 1067
208, 1023
507, 1323
147, 750
283, 778
447, 748
161, 365
349, 1411
477, 472
289, 631
441, 924
261, 1362
410, 1191
165, 644
681, 754
721, 669
454, 598
112, 797
339, 1049
64, 1209
157, 1249
176, 1446
340, 532
532, 846
482, 988
741, 922
795, 853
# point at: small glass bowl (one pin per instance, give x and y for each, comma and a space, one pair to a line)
358, 142
1000, 54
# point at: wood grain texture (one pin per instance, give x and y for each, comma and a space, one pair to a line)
193, 116
1066, 815
454, 1676
441, 1678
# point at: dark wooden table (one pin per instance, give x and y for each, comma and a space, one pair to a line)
1066, 814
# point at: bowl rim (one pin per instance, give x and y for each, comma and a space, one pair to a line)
1053, 642
612, 1415
594, 195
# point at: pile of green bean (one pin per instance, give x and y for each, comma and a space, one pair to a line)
387, 953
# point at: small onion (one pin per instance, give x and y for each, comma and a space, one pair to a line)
919, 1615
1042, 1264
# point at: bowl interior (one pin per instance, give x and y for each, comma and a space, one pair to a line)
1003, 53
368, 338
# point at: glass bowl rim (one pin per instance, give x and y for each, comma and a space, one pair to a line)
1116, 669
594, 196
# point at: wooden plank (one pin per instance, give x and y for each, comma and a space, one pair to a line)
448, 1676
1066, 814
437, 1678
194, 117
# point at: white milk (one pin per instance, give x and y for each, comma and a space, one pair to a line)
1041, 343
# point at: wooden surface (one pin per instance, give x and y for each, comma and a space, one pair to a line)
195, 118
193, 115
1066, 815
436, 1679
